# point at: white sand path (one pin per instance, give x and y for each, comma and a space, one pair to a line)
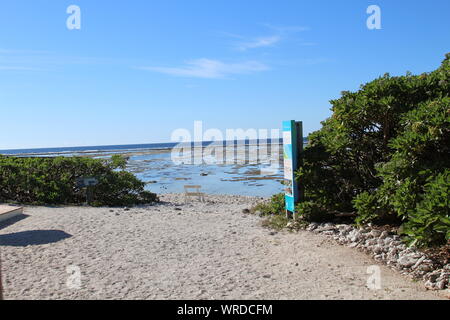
204, 251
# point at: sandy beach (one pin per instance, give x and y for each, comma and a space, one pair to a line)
174, 250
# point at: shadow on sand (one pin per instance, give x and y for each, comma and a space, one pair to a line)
32, 238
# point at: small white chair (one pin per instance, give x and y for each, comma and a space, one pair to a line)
188, 193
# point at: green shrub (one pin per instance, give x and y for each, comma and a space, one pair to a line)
421, 151
308, 211
429, 223
378, 152
415, 180
276, 205
54, 181
312, 212
276, 222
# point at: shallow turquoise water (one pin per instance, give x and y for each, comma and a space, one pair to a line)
164, 176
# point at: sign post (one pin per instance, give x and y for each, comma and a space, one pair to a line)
292, 148
87, 182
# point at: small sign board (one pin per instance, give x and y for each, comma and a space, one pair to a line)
292, 146
87, 182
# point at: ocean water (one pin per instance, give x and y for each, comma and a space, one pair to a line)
70, 151
261, 178
162, 170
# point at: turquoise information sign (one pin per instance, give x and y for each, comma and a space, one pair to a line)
292, 146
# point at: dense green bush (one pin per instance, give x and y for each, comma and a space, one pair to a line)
54, 181
382, 153
429, 223
313, 212
274, 206
416, 180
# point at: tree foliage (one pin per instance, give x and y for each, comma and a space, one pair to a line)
384, 153
54, 181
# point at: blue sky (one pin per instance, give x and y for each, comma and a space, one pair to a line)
137, 70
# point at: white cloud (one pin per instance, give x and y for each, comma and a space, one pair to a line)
259, 42
278, 34
210, 69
